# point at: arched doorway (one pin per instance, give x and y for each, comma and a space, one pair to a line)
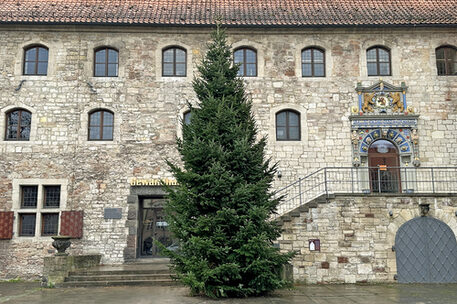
384, 165
426, 252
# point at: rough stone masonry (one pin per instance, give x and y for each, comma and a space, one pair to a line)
147, 109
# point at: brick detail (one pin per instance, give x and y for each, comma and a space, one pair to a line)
325, 265
343, 260
371, 215
71, 223
6, 225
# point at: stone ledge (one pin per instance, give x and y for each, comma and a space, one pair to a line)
56, 268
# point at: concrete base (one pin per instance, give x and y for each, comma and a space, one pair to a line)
56, 268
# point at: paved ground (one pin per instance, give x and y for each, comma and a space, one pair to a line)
314, 294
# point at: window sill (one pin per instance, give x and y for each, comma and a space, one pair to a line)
35, 77
106, 79
175, 78
289, 142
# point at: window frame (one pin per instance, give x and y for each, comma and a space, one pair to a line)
22, 206
184, 115
36, 61
20, 215
106, 61
43, 215
287, 127
378, 70
101, 126
174, 62
45, 196
244, 63
7, 122
313, 49
446, 60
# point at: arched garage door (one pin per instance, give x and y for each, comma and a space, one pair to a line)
426, 251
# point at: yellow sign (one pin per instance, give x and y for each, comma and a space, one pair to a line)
152, 182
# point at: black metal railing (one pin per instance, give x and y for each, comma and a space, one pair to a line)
380, 180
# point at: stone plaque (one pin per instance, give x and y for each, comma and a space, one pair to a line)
113, 213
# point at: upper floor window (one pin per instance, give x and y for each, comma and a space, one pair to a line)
101, 123
313, 62
288, 125
446, 60
174, 62
378, 61
187, 117
18, 123
247, 60
36, 60
106, 62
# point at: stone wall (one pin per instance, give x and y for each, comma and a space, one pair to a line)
147, 109
356, 234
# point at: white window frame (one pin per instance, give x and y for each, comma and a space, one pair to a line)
39, 210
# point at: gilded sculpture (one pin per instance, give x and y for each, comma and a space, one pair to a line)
397, 103
367, 102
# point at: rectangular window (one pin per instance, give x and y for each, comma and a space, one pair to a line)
27, 224
51, 197
49, 224
38, 204
29, 196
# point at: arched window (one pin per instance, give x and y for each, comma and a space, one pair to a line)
446, 60
288, 125
247, 59
378, 61
174, 61
101, 124
18, 122
187, 117
36, 60
313, 62
106, 62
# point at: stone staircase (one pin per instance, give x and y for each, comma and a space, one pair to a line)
149, 273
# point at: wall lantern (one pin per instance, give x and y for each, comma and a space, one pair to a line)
314, 245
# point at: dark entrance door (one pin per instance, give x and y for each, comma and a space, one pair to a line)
152, 226
426, 251
384, 166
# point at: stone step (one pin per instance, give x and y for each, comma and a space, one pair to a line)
119, 272
118, 277
158, 282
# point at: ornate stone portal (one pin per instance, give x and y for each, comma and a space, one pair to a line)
383, 113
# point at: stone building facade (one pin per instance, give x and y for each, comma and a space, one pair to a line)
111, 180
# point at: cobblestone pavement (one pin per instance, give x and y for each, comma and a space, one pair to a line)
304, 294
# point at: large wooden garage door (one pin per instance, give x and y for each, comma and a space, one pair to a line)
426, 251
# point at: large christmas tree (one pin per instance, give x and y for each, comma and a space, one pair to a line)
220, 211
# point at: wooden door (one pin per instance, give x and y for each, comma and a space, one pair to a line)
384, 164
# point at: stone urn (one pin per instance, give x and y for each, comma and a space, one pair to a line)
61, 243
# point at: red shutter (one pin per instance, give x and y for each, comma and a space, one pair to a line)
6, 225
71, 224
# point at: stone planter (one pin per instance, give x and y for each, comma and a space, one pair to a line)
61, 243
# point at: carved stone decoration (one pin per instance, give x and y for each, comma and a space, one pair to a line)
61, 243
382, 98
425, 208
384, 114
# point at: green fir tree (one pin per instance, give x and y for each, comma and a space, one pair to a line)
220, 210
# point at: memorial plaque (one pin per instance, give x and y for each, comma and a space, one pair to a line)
113, 213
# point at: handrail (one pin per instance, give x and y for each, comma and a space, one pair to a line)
365, 180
